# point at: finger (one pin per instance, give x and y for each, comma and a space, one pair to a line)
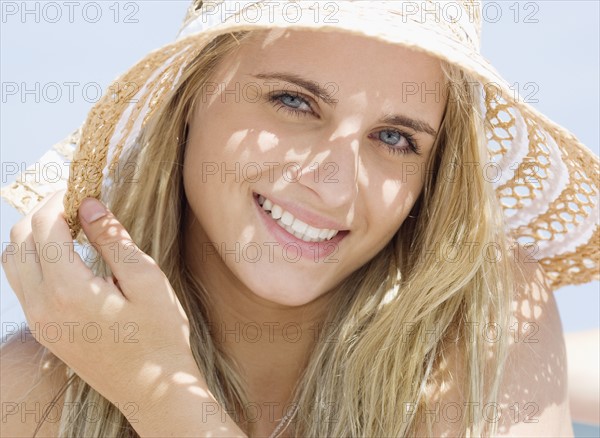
23, 251
132, 268
10, 270
59, 262
27, 267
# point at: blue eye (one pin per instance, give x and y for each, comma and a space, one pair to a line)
394, 138
291, 103
396, 142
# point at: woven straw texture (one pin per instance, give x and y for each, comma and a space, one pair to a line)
547, 180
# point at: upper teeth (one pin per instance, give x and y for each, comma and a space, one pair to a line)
288, 222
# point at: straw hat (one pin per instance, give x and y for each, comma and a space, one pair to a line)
547, 180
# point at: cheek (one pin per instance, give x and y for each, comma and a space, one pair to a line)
195, 165
204, 151
233, 132
391, 200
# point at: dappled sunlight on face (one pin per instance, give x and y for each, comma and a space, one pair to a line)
236, 140
267, 141
297, 118
348, 127
389, 191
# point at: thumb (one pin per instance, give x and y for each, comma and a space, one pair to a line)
130, 265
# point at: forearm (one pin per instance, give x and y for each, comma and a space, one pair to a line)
187, 416
180, 405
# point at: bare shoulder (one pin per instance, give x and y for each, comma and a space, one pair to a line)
533, 396
534, 390
30, 377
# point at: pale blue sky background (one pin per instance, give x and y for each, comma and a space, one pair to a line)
559, 53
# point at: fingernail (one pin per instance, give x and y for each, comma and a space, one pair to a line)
91, 210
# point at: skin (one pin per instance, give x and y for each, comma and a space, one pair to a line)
584, 383
371, 198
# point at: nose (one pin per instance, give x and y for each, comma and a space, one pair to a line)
332, 169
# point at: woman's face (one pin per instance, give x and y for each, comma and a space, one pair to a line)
320, 129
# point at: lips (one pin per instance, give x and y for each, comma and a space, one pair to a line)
321, 248
293, 225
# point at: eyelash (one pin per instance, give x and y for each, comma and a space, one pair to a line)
275, 99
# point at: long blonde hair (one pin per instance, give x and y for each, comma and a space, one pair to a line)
390, 321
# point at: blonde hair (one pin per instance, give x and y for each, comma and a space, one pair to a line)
391, 320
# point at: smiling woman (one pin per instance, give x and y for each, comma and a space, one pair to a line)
299, 133
307, 244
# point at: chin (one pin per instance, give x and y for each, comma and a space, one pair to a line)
288, 301
283, 291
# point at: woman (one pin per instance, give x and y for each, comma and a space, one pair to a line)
386, 309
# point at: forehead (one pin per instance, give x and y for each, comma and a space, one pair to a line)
351, 61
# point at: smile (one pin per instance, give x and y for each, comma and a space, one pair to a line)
295, 226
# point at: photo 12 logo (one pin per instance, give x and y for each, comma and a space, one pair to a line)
69, 12
251, 11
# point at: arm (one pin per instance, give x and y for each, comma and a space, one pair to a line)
25, 390
184, 408
156, 370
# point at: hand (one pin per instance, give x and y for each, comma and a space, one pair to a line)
126, 335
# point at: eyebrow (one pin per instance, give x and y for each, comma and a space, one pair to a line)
323, 94
414, 124
307, 84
